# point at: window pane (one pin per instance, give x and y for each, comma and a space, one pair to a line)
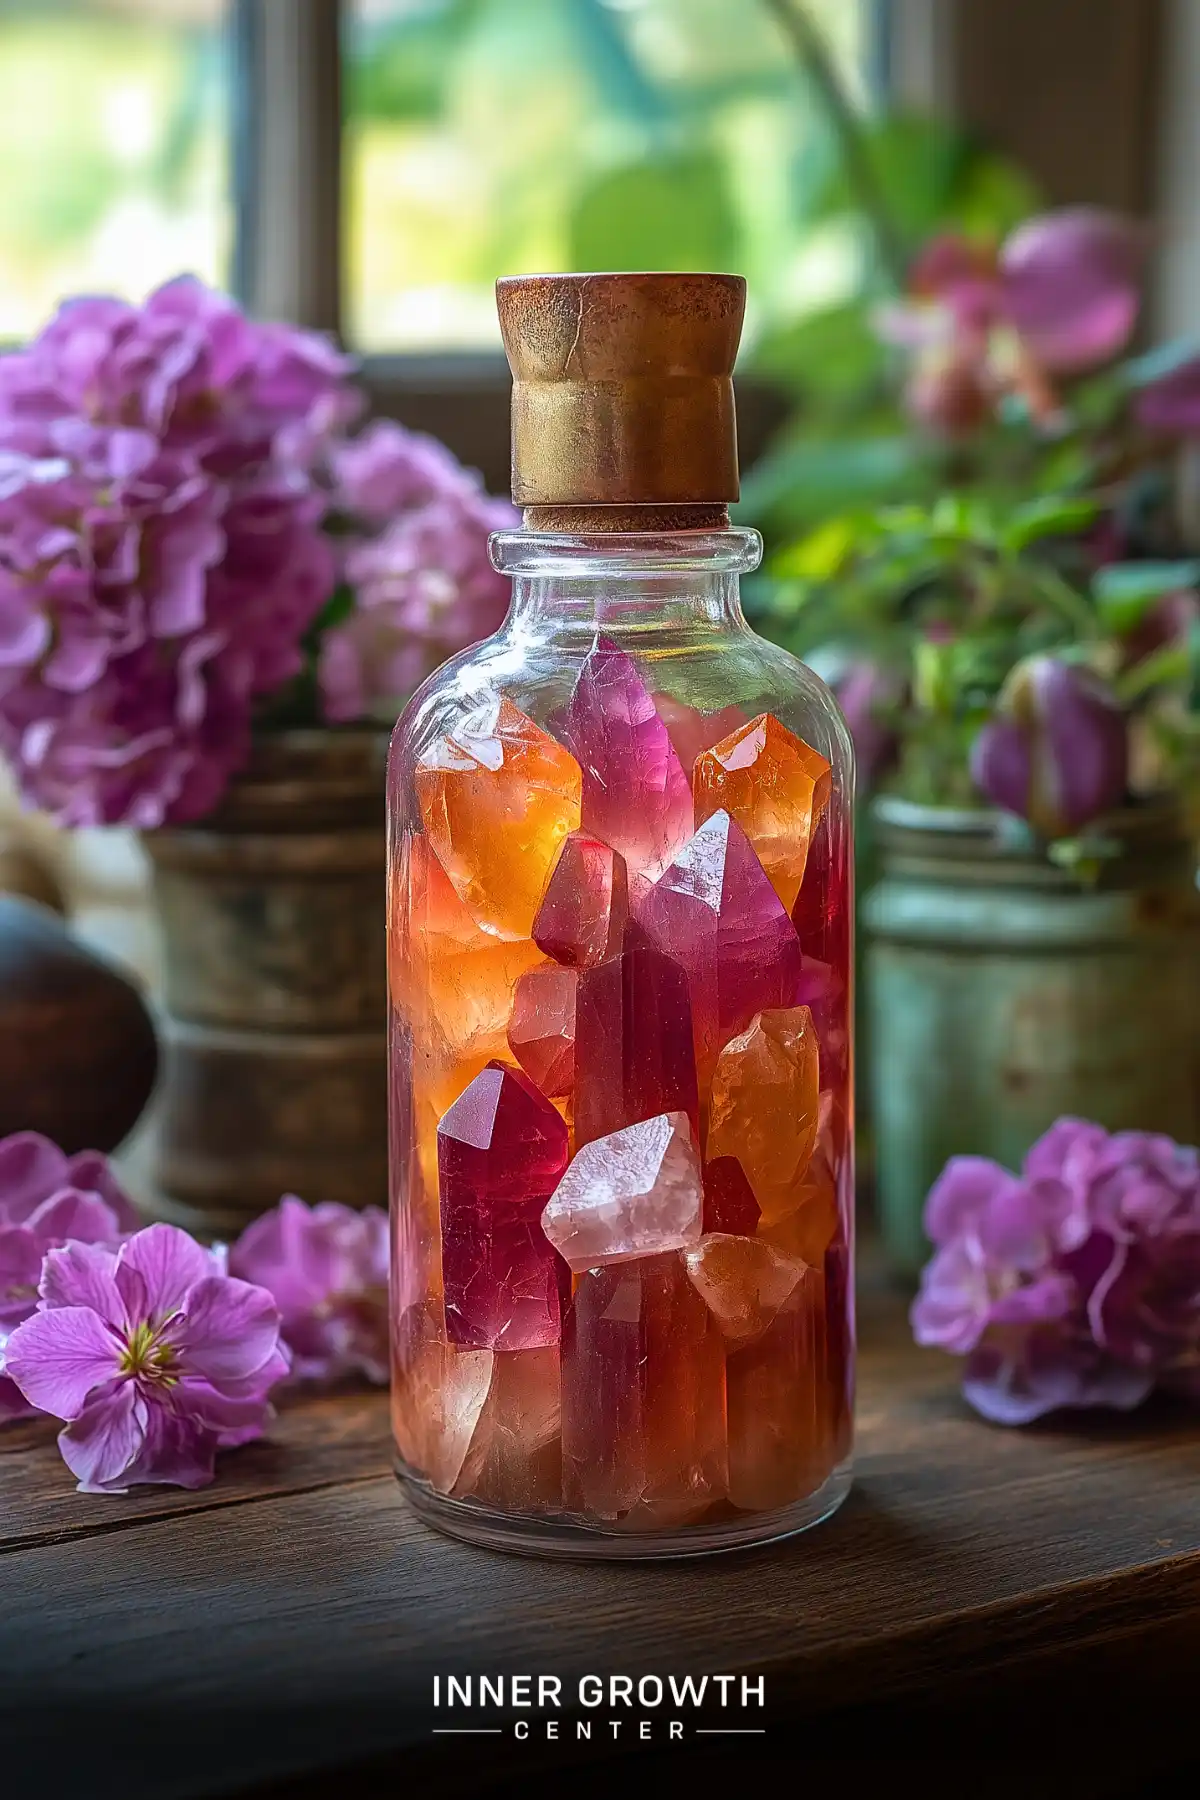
114, 149
489, 137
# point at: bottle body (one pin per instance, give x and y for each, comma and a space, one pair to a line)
621, 1066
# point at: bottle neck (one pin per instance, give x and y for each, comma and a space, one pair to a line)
626, 582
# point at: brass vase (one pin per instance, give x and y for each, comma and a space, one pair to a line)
274, 989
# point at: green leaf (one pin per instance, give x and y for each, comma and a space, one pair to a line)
670, 213
1054, 515
832, 354
823, 553
1125, 592
801, 482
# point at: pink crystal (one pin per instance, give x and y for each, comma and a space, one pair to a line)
742, 1281
780, 1417
634, 1193
502, 1149
643, 1412
636, 795
541, 1032
716, 913
438, 1395
581, 920
729, 1203
633, 1044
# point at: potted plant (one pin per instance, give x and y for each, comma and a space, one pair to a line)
1018, 650
212, 603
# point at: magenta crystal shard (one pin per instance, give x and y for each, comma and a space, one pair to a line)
541, 1032
582, 916
715, 912
633, 1044
635, 1193
502, 1149
643, 1396
636, 795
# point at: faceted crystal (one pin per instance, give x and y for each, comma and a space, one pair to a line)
502, 1149
454, 985
438, 1394
742, 1281
781, 1440
634, 1193
808, 1229
729, 1203
515, 1457
765, 1106
581, 920
497, 796
635, 793
633, 1044
692, 731
716, 913
541, 1033
642, 1396
775, 786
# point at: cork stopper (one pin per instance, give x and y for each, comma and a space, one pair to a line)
623, 397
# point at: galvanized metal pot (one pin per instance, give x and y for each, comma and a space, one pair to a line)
1003, 991
275, 988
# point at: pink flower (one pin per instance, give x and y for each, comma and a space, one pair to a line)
327, 1267
161, 550
46, 1200
1171, 405
1056, 751
417, 561
153, 1356
1073, 1284
1060, 298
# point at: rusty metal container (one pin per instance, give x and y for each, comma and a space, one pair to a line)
1003, 991
275, 987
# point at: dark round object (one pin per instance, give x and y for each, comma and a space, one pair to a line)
78, 1054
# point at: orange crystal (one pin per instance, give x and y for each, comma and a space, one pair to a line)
498, 795
643, 1384
455, 985
780, 1407
808, 1231
515, 1458
765, 1100
438, 1394
742, 1281
775, 786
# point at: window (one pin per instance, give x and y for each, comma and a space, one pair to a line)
114, 147
486, 137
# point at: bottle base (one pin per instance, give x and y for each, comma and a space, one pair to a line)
567, 1539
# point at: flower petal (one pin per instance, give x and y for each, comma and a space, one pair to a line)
236, 1421
961, 1193
176, 1450
90, 1170
169, 1262
30, 1168
229, 1330
100, 1445
1071, 285
58, 1358
73, 1215
82, 1275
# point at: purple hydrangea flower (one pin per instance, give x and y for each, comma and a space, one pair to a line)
161, 550
46, 1200
152, 1354
1074, 1284
1056, 751
327, 1267
1171, 405
417, 560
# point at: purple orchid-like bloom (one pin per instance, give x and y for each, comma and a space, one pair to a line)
417, 560
1074, 1284
1061, 297
47, 1199
1171, 405
161, 547
154, 1357
1056, 752
327, 1268
866, 694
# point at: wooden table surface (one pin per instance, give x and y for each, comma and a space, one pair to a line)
279, 1632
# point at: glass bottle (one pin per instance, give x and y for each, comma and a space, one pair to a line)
620, 968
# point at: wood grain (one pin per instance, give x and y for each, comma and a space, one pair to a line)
289, 1620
